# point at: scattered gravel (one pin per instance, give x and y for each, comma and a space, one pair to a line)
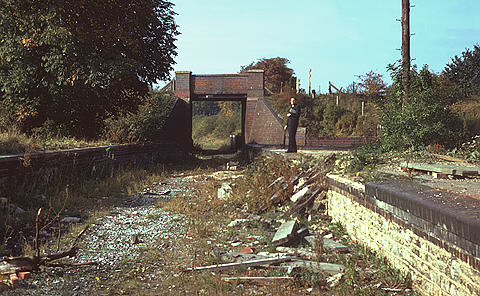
110, 240
116, 241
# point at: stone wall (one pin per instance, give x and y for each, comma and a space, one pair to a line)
432, 235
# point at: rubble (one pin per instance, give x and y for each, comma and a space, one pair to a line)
316, 266
70, 220
328, 245
238, 223
334, 280
225, 191
7, 206
285, 233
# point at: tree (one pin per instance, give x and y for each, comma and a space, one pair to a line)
373, 87
372, 83
277, 73
464, 72
76, 62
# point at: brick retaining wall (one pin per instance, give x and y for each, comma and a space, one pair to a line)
433, 237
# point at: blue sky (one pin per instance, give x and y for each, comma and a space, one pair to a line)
337, 39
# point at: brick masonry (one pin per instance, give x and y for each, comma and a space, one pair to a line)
267, 127
249, 84
436, 245
245, 87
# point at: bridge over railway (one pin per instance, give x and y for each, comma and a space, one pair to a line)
260, 123
245, 88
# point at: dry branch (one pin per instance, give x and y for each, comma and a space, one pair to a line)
9, 265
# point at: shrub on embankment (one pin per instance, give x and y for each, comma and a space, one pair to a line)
423, 118
141, 126
325, 116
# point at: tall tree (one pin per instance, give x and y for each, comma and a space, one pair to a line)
464, 72
277, 73
372, 83
75, 62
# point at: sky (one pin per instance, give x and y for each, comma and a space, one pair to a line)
337, 39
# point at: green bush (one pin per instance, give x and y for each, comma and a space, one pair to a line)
424, 119
345, 125
364, 157
50, 129
202, 126
227, 125
144, 125
366, 126
219, 126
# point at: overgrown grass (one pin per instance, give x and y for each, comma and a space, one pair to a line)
12, 141
213, 132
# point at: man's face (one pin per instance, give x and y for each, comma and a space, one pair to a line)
292, 101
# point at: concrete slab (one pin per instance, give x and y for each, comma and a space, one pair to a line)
286, 232
299, 194
329, 245
447, 169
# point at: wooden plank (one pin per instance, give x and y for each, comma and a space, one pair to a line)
450, 158
258, 279
249, 263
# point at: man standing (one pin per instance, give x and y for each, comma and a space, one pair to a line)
293, 116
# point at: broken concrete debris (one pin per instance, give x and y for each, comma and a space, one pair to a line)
299, 194
328, 245
70, 220
232, 166
7, 206
285, 233
239, 223
334, 280
307, 193
225, 191
315, 266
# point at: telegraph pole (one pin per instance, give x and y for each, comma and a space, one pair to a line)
405, 49
310, 82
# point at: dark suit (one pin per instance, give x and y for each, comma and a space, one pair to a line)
292, 124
